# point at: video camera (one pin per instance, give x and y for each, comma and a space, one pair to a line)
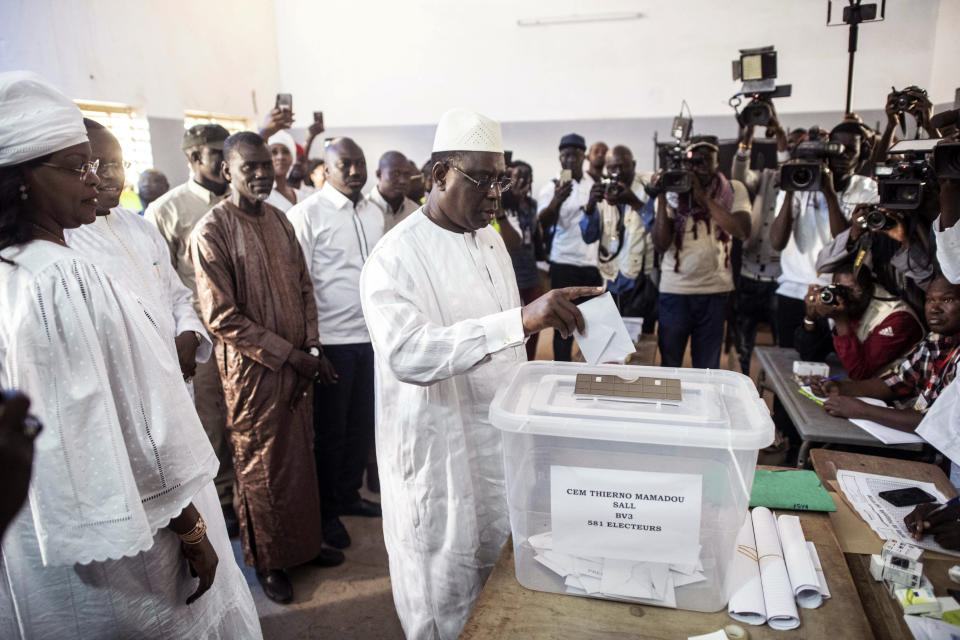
900, 182
758, 70
804, 173
832, 294
678, 176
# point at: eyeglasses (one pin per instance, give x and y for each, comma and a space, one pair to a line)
485, 184
123, 165
88, 168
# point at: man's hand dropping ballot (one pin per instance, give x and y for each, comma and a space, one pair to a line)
604, 336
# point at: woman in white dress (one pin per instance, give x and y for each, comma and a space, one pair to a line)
122, 535
283, 150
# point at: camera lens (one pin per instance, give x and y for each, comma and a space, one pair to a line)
801, 177
876, 220
907, 193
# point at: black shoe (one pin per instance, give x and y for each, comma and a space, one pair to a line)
276, 585
335, 534
328, 558
230, 519
362, 507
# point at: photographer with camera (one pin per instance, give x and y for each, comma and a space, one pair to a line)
809, 218
517, 218
760, 263
871, 328
573, 262
910, 101
924, 373
614, 216
693, 230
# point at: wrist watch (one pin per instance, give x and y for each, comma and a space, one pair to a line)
314, 351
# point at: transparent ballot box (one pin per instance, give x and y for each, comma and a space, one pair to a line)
629, 483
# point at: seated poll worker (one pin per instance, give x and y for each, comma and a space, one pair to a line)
442, 306
927, 369
871, 328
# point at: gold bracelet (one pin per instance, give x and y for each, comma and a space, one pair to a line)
195, 535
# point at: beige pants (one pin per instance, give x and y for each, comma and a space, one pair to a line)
208, 398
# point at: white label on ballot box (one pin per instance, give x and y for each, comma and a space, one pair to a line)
632, 515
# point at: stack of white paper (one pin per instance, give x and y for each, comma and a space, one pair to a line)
862, 490
796, 555
778, 595
746, 603
643, 582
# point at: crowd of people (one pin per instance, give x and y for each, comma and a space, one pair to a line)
249, 349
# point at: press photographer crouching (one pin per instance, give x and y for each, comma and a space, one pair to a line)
893, 239
819, 194
615, 216
924, 373
697, 217
868, 328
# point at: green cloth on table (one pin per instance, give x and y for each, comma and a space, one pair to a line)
795, 490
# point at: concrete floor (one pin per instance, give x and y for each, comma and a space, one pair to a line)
354, 600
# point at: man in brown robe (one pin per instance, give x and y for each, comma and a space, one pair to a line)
257, 298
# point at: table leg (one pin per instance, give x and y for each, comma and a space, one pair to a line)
803, 454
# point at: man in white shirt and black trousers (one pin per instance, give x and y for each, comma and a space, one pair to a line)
337, 228
573, 262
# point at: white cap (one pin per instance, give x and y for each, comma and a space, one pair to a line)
465, 130
35, 118
283, 137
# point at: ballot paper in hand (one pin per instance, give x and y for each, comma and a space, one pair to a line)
605, 337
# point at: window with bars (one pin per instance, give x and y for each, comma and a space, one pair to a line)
130, 128
233, 124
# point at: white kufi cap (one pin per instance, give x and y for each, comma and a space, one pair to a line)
283, 137
35, 119
465, 130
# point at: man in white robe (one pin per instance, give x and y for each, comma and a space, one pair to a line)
132, 250
442, 307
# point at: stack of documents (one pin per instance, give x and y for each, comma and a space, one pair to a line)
774, 569
862, 492
643, 582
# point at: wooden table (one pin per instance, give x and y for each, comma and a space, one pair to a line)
505, 610
883, 612
812, 422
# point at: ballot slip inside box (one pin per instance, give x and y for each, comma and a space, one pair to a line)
639, 501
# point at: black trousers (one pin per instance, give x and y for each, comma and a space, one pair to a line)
344, 424
790, 314
568, 275
756, 303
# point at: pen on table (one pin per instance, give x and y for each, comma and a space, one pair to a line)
836, 377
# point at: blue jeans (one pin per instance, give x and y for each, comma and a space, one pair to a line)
697, 317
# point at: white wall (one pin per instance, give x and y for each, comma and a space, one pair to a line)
381, 62
162, 56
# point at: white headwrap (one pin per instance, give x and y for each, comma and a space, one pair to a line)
284, 138
465, 130
35, 118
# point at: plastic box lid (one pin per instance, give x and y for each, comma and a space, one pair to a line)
718, 409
